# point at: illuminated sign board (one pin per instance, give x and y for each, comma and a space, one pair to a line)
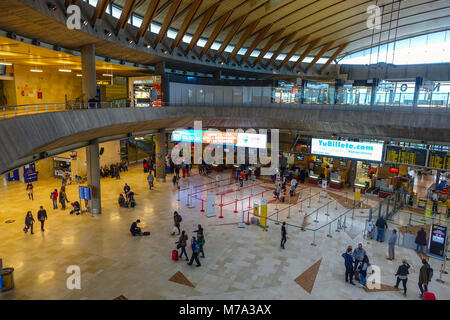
403, 155
437, 241
347, 149
250, 140
439, 160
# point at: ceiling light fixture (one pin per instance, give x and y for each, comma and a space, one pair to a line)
107, 75
36, 70
64, 70
5, 63
108, 33
79, 75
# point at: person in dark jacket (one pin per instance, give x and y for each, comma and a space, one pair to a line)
122, 201
348, 262
176, 222
199, 230
182, 243
42, 216
421, 240
63, 198
195, 251
134, 229
29, 221
126, 190
402, 275
30, 190
381, 225
424, 277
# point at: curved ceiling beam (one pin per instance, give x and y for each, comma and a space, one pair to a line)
216, 32
127, 10
280, 48
149, 15
187, 21
230, 35
100, 9
334, 55
167, 21
294, 49
244, 37
275, 37
325, 48
255, 42
311, 46
202, 26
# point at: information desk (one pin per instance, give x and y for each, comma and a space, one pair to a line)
313, 179
361, 186
336, 184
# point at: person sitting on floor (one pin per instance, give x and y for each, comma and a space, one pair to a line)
76, 208
122, 201
135, 230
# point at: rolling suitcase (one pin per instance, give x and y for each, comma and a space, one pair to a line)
429, 296
174, 255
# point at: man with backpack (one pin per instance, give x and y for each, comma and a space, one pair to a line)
201, 243
176, 222
195, 251
425, 275
381, 225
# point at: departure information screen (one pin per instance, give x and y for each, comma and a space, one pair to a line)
409, 156
439, 160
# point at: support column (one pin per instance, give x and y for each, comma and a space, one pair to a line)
373, 92
88, 72
419, 82
160, 69
352, 176
161, 151
93, 177
303, 91
218, 74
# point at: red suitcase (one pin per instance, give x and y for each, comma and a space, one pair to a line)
174, 255
429, 296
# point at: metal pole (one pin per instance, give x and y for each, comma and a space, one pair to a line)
328, 204
335, 200
317, 216
329, 231
338, 225
309, 204
314, 239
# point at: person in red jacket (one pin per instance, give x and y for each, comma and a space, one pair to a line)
54, 197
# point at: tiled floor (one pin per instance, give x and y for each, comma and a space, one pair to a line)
240, 263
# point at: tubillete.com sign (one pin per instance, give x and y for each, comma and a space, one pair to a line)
347, 149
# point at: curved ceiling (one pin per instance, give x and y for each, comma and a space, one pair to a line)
291, 28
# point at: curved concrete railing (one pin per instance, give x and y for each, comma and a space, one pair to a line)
29, 109
28, 136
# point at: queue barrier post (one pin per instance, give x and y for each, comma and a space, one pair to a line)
317, 216
338, 225
314, 239
221, 206
327, 214
345, 222
235, 202
329, 231
248, 218
202, 209
335, 200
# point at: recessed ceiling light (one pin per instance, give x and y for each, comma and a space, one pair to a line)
79, 75
107, 75
5, 63
35, 70
64, 70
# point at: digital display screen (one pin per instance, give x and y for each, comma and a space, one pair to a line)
437, 241
319, 160
250, 140
300, 158
439, 160
393, 170
365, 165
348, 149
343, 163
403, 155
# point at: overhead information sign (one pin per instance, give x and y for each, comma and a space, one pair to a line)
347, 149
239, 139
439, 160
437, 240
409, 156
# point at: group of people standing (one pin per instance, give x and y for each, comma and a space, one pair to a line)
197, 244
114, 170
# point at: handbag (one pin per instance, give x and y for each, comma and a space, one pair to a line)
178, 246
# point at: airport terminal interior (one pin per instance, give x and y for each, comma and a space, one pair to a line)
224, 149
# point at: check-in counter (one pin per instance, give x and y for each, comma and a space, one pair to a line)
361, 186
336, 184
313, 179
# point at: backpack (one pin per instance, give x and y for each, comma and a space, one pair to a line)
179, 218
196, 247
429, 273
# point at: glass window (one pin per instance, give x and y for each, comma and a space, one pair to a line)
116, 11
137, 21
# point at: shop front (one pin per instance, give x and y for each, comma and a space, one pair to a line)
145, 91
61, 166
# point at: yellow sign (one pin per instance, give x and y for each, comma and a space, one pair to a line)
263, 220
256, 210
357, 194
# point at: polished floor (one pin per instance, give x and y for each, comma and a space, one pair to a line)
240, 263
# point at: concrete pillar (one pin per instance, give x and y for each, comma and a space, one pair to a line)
373, 92
160, 69
419, 81
303, 91
218, 74
93, 177
160, 151
88, 72
352, 176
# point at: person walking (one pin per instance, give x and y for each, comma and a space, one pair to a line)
54, 197
362, 270
63, 198
199, 230
391, 245
150, 179
241, 178
201, 244
29, 221
358, 255
435, 198
182, 242
381, 225
42, 216
176, 222
283, 235
117, 171
424, 277
30, 190
177, 171
195, 251
349, 265
402, 275
421, 240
